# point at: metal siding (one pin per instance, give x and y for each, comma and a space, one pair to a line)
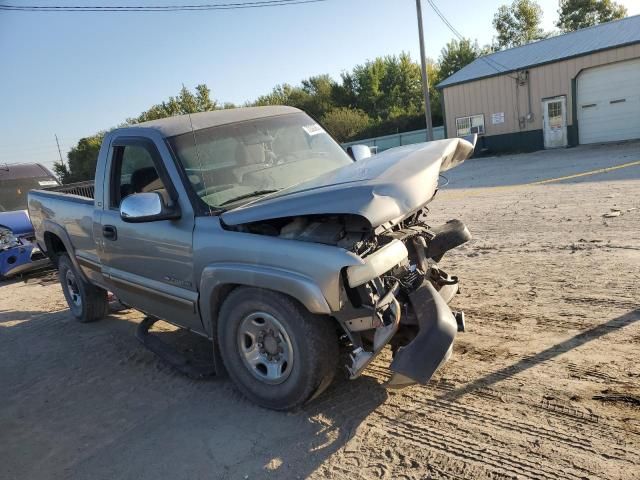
498, 94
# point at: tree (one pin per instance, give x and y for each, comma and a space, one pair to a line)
434, 75
305, 98
184, 102
518, 24
383, 88
379, 97
577, 14
455, 55
345, 123
81, 160
321, 90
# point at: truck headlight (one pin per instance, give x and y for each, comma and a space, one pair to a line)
377, 263
7, 239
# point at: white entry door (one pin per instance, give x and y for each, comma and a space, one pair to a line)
554, 120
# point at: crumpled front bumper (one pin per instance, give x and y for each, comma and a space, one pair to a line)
21, 259
422, 337
431, 347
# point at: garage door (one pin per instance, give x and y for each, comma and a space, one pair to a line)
609, 102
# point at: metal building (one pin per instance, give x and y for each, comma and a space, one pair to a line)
578, 88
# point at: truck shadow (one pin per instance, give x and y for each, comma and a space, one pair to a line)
276, 444
145, 420
545, 355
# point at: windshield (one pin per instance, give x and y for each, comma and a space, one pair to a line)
241, 161
13, 192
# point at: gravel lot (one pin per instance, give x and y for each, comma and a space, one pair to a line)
544, 384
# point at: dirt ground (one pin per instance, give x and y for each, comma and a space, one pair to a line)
544, 384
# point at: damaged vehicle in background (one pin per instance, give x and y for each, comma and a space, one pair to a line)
254, 228
19, 252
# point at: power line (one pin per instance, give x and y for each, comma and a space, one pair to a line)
155, 8
489, 61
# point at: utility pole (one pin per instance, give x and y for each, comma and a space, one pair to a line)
425, 77
59, 152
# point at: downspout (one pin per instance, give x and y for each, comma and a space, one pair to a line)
574, 112
444, 112
530, 114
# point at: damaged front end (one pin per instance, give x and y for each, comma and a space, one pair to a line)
399, 297
19, 252
394, 293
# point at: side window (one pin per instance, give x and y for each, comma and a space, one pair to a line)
469, 125
133, 171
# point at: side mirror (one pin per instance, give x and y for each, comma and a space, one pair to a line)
146, 207
359, 152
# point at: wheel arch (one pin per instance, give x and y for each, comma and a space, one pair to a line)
219, 280
57, 243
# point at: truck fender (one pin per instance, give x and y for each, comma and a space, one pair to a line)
50, 227
218, 276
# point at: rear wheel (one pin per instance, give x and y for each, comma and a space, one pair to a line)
87, 302
276, 352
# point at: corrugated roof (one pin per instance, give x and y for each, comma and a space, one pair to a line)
581, 42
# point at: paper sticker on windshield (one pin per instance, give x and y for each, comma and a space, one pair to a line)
48, 183
312, 130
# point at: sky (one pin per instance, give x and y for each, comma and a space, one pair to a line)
74, 74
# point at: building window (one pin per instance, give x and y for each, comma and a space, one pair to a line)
554, 112
469, 125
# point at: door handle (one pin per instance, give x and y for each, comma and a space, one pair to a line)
109, 232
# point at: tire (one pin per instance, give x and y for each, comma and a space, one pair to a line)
87, 302
304, 348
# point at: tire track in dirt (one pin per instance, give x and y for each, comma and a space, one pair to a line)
454, 411
606, 302
574, 434
416, 426
467, 448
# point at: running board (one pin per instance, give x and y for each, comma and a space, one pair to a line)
190, 367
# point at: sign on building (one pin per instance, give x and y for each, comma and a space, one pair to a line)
497, 118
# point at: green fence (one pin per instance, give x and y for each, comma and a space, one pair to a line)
397, 139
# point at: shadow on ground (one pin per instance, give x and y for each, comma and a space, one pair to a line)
88, 401
545, 355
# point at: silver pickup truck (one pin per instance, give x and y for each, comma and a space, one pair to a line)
254, 228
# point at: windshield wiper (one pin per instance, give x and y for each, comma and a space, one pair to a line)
247, 195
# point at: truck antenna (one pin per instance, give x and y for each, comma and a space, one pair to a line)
195, 145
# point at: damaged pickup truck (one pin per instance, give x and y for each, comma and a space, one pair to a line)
254, 228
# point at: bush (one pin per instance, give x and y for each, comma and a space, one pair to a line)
345, 123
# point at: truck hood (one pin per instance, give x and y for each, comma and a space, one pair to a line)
381, 188
18, 222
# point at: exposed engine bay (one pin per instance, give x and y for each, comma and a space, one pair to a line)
399, 291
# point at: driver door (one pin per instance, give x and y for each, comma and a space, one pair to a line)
149, 265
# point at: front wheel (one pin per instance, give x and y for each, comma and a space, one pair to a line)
276, 352
87, 302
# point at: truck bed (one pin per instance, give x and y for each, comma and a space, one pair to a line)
73, 213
